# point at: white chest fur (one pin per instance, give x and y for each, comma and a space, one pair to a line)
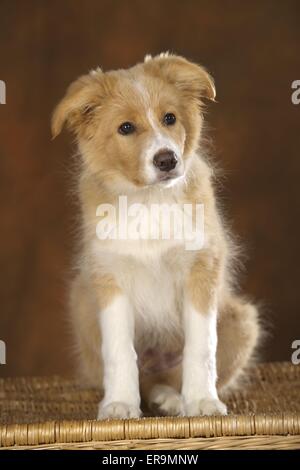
151, 272
154, 285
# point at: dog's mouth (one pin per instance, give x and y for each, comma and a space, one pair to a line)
169, 179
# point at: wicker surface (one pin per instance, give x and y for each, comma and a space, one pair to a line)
214, 443
55, 413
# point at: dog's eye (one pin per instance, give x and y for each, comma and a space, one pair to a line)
169, 119
126, 128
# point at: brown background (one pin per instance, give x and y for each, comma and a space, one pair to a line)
252, 49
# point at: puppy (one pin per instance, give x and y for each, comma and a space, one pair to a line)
153, 319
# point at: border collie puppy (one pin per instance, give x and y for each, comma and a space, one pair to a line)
155, 318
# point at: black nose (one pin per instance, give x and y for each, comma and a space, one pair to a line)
165, 160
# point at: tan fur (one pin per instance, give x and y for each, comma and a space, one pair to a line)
93, 108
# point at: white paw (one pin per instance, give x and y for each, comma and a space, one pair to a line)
118, 410
165, 401
205, 406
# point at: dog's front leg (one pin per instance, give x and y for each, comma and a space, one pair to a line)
199, 378
121, 384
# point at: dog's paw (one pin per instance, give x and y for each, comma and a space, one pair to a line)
205, 406
165, 401
118, 410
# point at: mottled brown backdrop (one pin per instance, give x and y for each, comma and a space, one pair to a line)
251, 48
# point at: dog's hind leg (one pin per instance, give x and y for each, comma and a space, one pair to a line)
160, 392
238, 335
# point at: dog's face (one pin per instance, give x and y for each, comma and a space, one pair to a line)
137, 127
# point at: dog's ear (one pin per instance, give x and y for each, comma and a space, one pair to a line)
189, 77
77, 107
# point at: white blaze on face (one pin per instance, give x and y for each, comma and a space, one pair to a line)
158, 140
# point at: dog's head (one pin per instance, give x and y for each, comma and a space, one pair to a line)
137, 127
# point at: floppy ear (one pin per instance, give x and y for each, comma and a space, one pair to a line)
76, 108
189, 77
